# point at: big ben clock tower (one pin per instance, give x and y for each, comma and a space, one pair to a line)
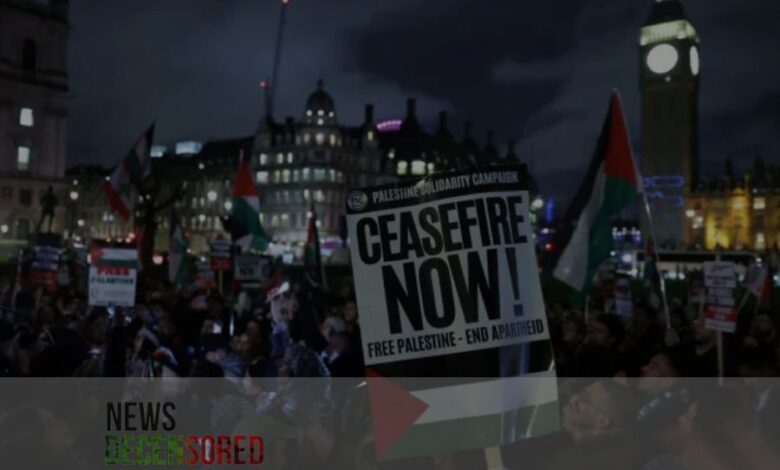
669, 86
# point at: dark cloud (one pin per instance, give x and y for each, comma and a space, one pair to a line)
540, 72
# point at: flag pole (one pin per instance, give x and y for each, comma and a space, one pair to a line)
661, 281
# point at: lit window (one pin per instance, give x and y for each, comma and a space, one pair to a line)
418, 167
760, 241
319, 174
320, 122
430, 167
739, 204
319, 196
320, 138
263, 159
402, 168
285, 220
332, 174
306, 174
289, 157
320, 113
280, 158
286, 176
308, 112
331, 114
759, 203
23, 158
26, 118
306, 194
262, 176
275, 220
333, 140
277, 176
296, 176
391, 154
306, 138
370, 135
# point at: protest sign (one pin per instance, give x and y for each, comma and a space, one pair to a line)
204, 276
112, 276
447, 283
720, 310
45, 265
219, 255
252, 270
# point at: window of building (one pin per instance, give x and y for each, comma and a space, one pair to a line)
25, 197
280, 158
296, 176
306, 194
29, 55
23, 158
263, 159
332, 174
275, 220
320, 113
402, 167
285, 220
418, 167
286, 176
26, 117
333, 140
319, 174
319, 196
759, 203
262, 177
306, 138
7, 193
277, 176
22, 229
306, 174
319, 138
289, 157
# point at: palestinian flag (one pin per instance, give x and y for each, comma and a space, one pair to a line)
312, 257
177, 251
245, 212
130, 172
611, 183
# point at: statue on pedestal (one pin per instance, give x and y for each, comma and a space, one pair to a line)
48, 204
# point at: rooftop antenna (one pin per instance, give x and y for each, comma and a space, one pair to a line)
274, 85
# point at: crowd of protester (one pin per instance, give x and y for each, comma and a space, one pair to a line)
298, 329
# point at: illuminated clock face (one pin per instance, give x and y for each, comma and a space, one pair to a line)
694, 60
662, 58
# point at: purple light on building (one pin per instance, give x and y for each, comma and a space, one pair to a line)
389, 125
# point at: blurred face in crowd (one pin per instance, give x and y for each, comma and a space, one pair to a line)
570, 332
762, 327
600, 335
585, 414
96, 330
701, 334
350, 312
657, 375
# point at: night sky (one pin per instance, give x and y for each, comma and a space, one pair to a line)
536, 71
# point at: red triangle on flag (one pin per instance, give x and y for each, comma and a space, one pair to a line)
394, 411
95, 253
243, 184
